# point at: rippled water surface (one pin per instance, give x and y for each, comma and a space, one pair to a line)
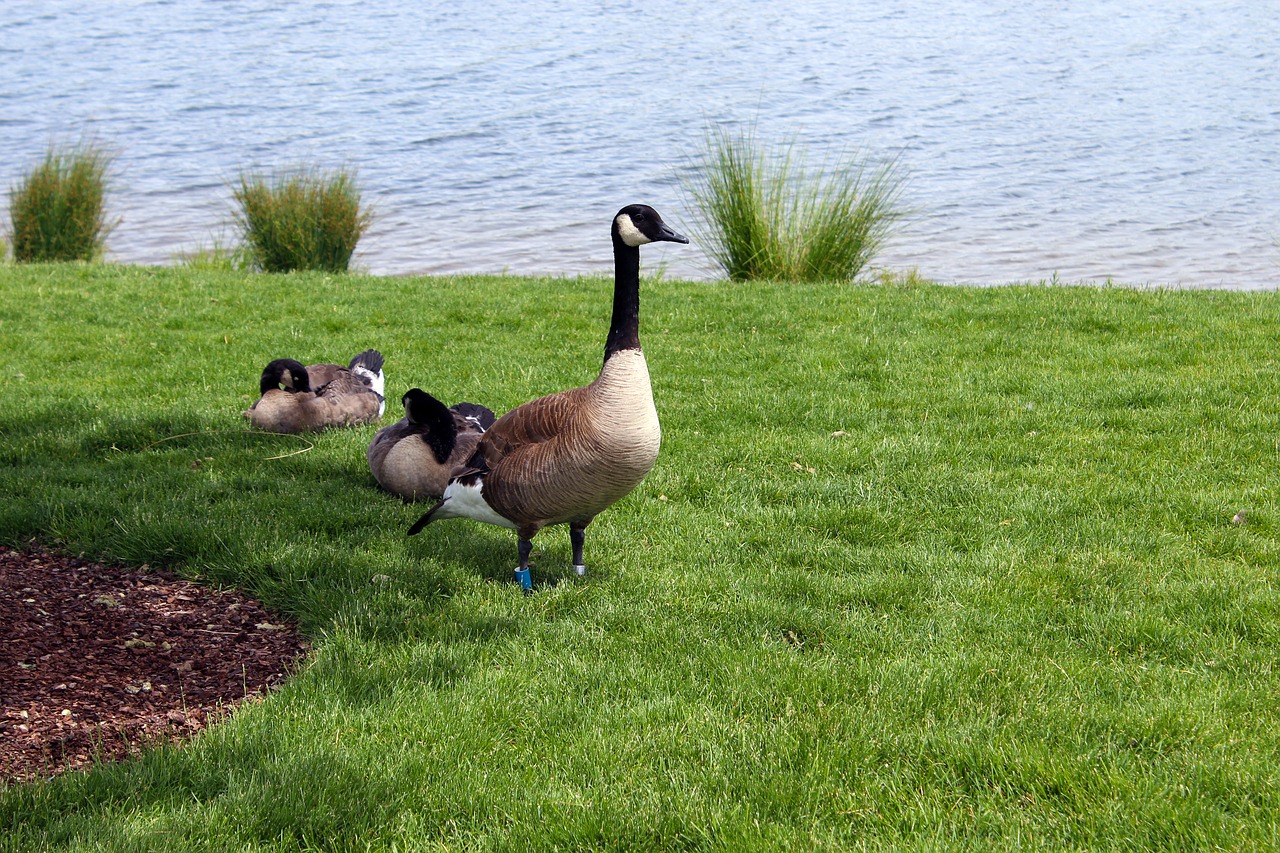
1138, 141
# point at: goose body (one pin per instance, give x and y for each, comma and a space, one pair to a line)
415, 456
564, 458
311, 398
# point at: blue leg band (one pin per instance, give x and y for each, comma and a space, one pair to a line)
525, 578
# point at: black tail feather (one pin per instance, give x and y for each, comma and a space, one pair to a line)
476, 413
425, 520
370, 359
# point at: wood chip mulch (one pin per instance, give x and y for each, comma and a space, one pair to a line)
97, 661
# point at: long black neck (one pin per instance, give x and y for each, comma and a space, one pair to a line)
624, 328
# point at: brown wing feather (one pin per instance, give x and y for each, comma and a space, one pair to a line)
345, 383
344, 401
463, 454
524, 427
534, 423
319, 375
531, 458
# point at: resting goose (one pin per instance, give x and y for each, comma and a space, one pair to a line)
319, 395
414, 457
563, 458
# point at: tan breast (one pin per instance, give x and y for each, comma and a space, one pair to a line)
625, 418
279, 411
410, 470
285, 411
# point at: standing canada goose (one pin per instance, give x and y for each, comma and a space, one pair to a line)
320, 395
565, 457
415, 456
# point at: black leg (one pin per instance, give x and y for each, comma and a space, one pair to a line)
577, 536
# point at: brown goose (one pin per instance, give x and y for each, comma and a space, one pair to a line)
563, 458
414, 457
320, 395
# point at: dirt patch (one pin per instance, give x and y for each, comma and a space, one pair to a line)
97, 660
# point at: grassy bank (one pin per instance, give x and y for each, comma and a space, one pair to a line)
918, 567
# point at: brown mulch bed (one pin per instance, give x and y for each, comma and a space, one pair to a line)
98, 660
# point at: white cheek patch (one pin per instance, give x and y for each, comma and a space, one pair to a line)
630, 234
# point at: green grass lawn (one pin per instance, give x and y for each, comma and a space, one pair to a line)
918, 567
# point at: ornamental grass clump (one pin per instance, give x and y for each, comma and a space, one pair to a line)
217, 257
766, 217
57, 210
307, 220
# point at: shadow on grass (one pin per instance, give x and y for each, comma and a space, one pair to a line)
491, 551
296, 520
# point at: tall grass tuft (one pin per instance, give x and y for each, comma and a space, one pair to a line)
306, 220
766, 217
217, 257
57, 210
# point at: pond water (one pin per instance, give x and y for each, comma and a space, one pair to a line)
1137, 141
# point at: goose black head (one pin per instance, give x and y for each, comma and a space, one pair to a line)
426, 411
284, 372
637, 224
